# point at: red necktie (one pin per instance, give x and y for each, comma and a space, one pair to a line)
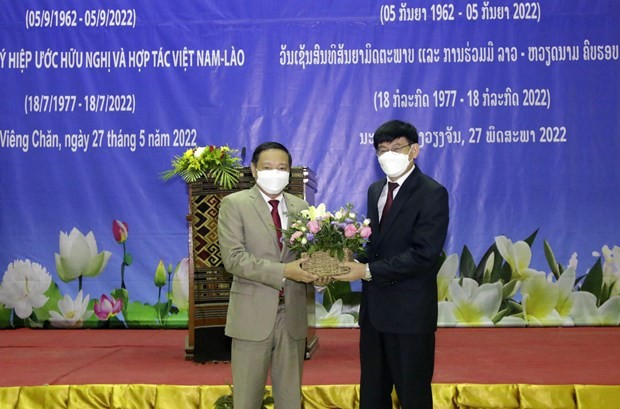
390, 199
278, 223
276, 220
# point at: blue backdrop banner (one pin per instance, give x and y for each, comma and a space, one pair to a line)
516, 102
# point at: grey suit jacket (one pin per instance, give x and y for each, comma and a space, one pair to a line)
250, 252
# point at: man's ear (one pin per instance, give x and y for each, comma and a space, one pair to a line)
415, 149
253, 168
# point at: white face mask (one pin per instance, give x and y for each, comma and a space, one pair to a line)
394, 164
272, 181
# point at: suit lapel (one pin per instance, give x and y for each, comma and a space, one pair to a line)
263, 211
399, 202
373, 210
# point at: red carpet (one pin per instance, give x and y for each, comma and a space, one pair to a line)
487, 356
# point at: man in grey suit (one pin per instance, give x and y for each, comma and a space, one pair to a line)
409, 215
267, 317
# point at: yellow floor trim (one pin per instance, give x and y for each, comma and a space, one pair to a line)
446, 396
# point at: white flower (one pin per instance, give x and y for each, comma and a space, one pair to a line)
566, 295
335, 317
23, 287
78, 256
446, 274
518, 256
198, 152
180, 285
471, 305
488, 268
540, 298
315, 213
585, 311
611, 268
366, 222
72, 313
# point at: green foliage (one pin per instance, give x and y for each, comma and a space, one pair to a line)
593, 281
341, 290
217, 163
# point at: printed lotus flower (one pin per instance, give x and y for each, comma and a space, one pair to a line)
518, 256
335, 317
72, 313
471, 305
316, 229
120, 231
160, 274
585, 312
180, 285
107, 307
79, 256
23, 287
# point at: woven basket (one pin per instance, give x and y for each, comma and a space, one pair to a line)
324, 265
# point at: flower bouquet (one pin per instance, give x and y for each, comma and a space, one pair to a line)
326, 238
211, 161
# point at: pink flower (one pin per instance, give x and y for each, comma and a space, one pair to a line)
296, 235
349, 231
105, 308
314, 226
365, 232
120, 231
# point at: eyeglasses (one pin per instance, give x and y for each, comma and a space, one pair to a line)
398, 149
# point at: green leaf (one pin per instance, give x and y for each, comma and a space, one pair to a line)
593, 281
122, 294
128, 259
340, 253
515, 308
467, 264
531, 238
553, 265
54, 295
606, 293
142, 315
509, 288
498, 264
5, 317
505, 273
498, 317
493, 275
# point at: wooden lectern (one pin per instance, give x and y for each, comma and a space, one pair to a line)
209, 282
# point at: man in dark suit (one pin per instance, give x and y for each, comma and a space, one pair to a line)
398, 313
267, 317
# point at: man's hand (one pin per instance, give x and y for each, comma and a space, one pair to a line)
323, 281
357, 271
293, 271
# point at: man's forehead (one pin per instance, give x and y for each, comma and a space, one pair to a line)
275, 156
396, 140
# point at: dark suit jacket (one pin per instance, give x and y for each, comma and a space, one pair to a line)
404, 255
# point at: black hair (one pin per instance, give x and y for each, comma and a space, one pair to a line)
270, 145
395, 129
